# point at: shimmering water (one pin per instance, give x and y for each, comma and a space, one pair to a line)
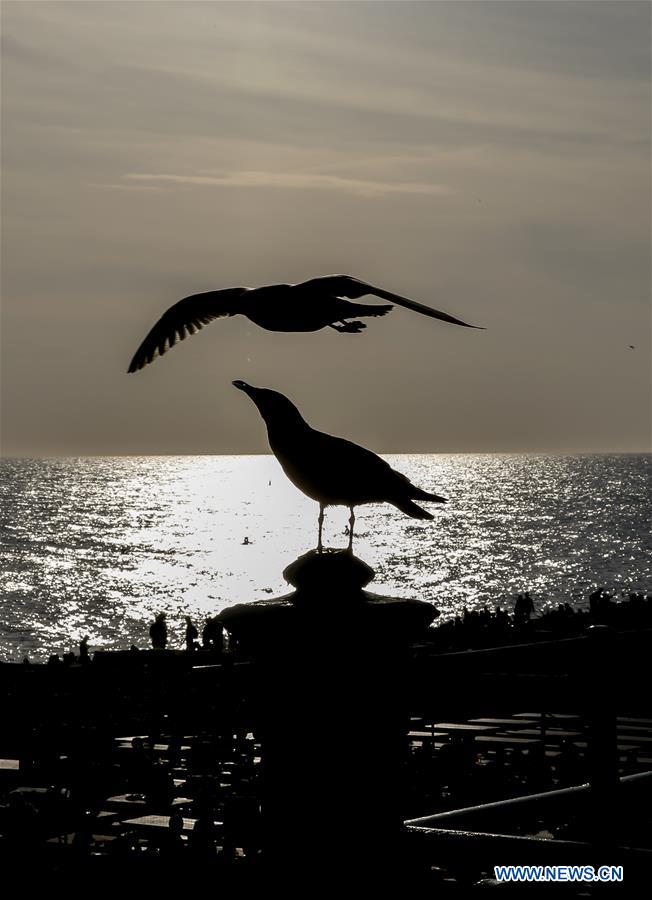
98, 545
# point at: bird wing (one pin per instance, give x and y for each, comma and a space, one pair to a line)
344, 461
186, 317
340, 459
352, 288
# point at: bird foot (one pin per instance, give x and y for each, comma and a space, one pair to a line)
349, 327
326, 551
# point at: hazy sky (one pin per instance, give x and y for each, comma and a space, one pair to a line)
489, 158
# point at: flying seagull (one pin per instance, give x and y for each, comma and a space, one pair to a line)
330, 470
308, 306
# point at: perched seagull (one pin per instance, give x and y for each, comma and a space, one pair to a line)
330, 470
308, 306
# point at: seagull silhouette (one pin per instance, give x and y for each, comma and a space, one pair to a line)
331, 470
308, 306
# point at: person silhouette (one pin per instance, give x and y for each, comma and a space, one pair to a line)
84, 658
158, 632
212, 636
191, 634
176, 827
523, 608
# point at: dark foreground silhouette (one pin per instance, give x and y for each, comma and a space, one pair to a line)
296, 755
331, 470
308, 306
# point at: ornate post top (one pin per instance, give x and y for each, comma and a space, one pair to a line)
329, 588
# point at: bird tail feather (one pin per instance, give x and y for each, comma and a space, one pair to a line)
411, 509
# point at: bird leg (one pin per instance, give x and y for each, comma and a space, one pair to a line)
351, 524
320, 546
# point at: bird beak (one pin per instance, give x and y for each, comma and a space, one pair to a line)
242, 386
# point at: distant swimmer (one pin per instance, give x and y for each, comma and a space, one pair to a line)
308, 306
632, 347
246, 541
331, 470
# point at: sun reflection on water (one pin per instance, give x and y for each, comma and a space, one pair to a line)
96, 546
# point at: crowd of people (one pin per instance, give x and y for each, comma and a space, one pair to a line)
472, 629
212, 634
487, 627
214, 639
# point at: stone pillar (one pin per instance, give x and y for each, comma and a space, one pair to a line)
330, 700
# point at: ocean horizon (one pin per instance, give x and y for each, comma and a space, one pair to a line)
98, 545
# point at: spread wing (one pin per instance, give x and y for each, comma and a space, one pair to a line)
352, 288
186, 317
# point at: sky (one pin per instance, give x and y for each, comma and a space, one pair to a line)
491, 159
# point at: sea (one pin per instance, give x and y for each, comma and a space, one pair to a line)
96, 546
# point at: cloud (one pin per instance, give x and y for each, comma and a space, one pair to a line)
125, 187
178, 147
298, 181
